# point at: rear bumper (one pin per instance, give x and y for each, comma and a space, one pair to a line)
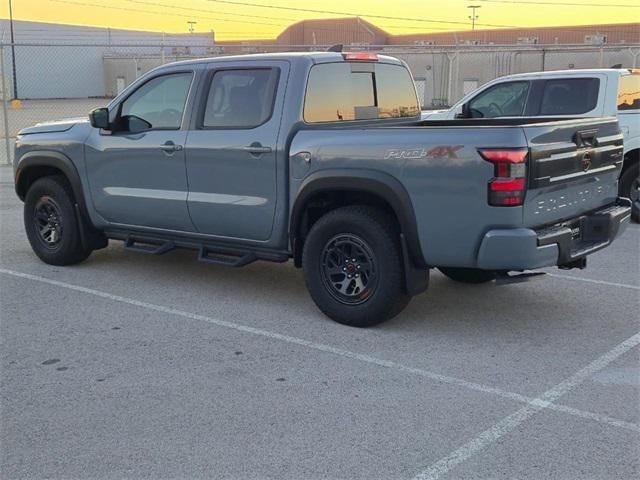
563, 244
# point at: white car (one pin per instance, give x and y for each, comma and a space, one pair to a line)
564, 93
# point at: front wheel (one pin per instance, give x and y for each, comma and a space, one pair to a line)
51, 223
468, 275
352, 263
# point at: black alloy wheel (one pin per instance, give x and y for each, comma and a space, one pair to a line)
47, 218
51, 222
353, 267
349, 269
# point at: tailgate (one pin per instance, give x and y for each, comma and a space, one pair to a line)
573, 168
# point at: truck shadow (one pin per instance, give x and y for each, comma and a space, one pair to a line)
279, 290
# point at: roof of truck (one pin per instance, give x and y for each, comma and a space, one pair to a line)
575, 71
313, 57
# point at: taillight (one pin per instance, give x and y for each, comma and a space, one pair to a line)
361, 56
508, 186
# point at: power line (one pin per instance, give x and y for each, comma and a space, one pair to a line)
292, 20
352, 14
571, 4
238, 14
151, 12
216, 12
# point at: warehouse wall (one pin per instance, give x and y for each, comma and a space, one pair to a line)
446, 72
66, 61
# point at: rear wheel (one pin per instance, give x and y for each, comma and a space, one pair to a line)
468, 275
51, 223
629, 187
352, 263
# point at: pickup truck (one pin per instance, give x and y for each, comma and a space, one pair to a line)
322, 158
565, 93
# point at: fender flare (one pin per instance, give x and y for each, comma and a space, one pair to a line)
47, 158
380, 184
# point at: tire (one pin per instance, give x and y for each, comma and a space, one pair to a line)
628, 187
369, 236
468, 275
51, 222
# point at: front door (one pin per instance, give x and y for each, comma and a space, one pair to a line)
231, 153
137, 171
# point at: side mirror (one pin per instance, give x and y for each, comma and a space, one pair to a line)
465, 112
99, 118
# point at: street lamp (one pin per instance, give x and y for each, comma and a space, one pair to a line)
473, 17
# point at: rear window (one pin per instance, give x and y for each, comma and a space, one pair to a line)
629, 93
338, 92
569, 96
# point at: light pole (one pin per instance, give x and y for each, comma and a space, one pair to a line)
473, 17
191, 24
13, 52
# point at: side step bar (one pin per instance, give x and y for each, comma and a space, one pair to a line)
151, 246
228, 255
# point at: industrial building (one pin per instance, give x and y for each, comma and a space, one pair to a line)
83, 62
73, 57
355, 30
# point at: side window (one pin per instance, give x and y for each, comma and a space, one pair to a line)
569, 96
158, 104
348, 91
629, 93
503, 100
240, 98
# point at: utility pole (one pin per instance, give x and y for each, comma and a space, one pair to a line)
473, 17
191, 24
13, 52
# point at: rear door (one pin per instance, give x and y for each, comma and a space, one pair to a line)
231, 151
573, 168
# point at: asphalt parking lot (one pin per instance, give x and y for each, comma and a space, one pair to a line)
134, 366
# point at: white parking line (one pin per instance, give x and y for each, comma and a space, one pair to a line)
336, 351
514, 420
589, 280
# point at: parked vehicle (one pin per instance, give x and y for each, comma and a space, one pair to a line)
323, 158
568, 93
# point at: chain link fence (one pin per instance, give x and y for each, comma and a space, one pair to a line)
41, 82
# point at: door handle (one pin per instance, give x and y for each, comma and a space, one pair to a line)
586, 138
170, 147
256, 149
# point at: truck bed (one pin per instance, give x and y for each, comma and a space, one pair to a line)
439, 165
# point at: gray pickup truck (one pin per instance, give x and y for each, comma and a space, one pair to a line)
323, 158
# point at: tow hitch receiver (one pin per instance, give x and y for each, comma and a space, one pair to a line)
507, 278
580, 263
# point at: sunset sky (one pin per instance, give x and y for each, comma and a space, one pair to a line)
237, 19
